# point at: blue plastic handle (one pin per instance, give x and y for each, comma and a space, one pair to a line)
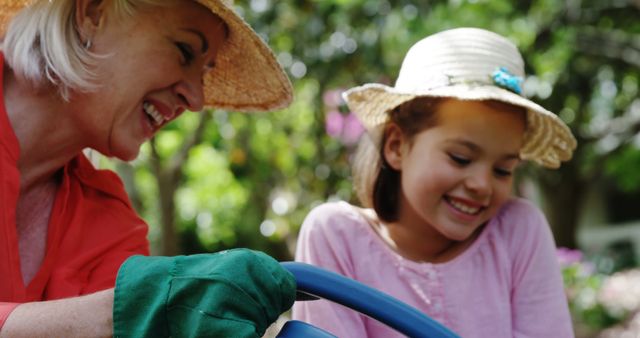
366, 300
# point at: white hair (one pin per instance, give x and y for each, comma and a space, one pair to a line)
42, 44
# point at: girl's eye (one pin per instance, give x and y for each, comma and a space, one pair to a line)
499, 172
186, 51
459, 159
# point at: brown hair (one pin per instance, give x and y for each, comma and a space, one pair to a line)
376, 183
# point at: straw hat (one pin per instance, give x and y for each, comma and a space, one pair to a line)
247, 76
467, 64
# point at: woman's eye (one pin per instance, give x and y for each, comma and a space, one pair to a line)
502, 172
186, 51
459, 159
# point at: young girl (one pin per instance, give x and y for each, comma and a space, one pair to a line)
440, 230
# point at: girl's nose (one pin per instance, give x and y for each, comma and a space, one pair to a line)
479, 182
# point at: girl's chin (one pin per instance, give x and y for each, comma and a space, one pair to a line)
460, 232
459, 237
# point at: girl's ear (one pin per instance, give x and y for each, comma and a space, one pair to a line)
394, 146
89, 15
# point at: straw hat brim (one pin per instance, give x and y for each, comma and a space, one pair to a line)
247, 76
547, 141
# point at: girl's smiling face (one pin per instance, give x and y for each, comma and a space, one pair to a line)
152, 70
457, 174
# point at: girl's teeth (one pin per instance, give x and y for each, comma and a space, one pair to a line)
151, 110
464, 208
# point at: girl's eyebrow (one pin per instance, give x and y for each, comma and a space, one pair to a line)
466, 143
475, 148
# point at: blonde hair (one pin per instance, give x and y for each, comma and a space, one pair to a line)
42, 44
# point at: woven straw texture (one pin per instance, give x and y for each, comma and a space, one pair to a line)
459, 63
247, 76
7, 9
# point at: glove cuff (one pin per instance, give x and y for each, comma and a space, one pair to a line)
140, 296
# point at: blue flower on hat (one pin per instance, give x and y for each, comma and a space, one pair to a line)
504, 79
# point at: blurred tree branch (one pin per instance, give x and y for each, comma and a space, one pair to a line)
168, 175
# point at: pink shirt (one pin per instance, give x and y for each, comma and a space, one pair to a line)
506, 284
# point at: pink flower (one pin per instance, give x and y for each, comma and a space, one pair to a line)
346, 128
351, 130
333, 123
332, 98
568, 256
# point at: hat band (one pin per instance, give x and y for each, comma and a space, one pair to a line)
501, 77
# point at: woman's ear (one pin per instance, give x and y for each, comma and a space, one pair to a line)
89, 15
393, 148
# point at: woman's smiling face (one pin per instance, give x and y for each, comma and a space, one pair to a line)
457, 174
152, 70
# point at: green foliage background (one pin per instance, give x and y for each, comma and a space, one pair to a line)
248, 180
220, 179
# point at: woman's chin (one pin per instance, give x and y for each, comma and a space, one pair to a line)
126, 154
128, 157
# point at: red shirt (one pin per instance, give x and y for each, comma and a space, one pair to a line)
92, 229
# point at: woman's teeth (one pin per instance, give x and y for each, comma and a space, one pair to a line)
464, 208
151, 110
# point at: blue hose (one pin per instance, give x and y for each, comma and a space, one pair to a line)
329, 285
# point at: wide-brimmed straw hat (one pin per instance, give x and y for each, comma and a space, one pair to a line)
247, 76
467, 64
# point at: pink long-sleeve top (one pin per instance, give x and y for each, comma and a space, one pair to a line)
506, 284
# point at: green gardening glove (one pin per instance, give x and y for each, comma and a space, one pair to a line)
234, 293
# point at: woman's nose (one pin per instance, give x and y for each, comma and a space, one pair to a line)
190, 91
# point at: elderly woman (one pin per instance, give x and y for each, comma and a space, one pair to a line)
106, 75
